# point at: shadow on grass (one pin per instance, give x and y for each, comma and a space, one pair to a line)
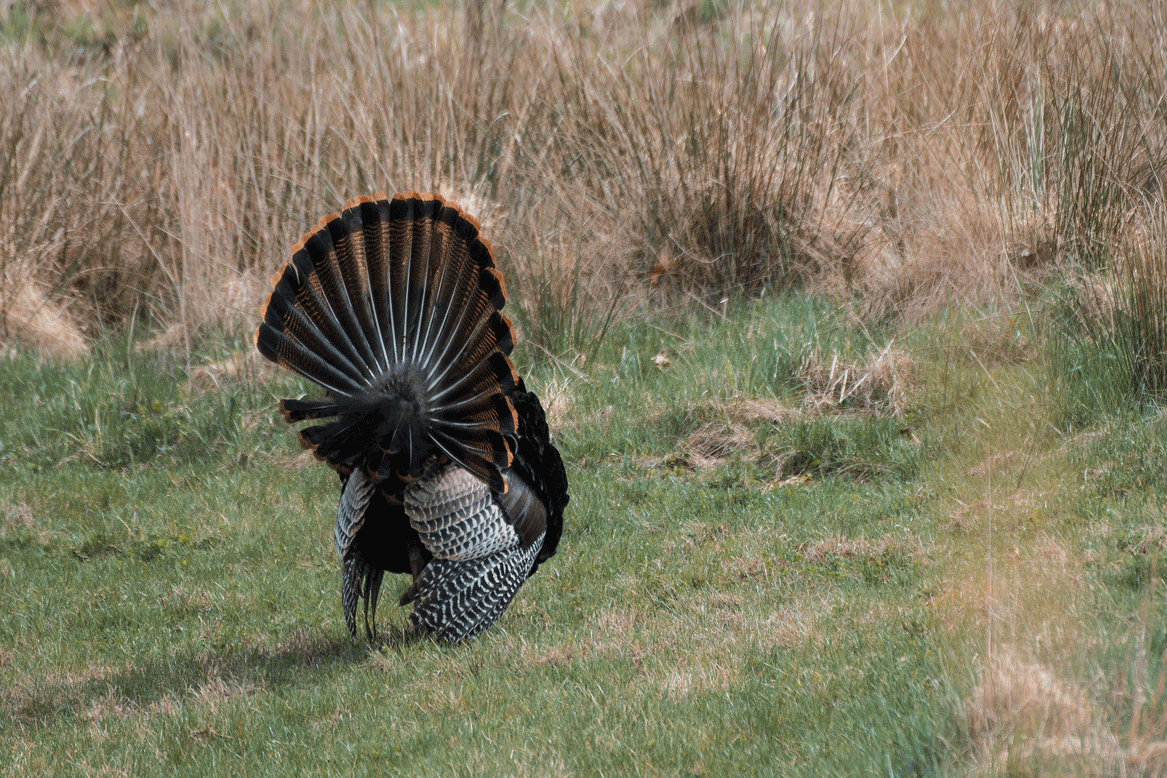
305, 659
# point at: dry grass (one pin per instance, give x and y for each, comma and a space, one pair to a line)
1023, 717
157, 165
246, 368
1021, 713
1060, 688
859, 548
1120, 310
883, 384
733, 431
35, 322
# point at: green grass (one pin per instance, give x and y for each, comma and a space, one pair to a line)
169, 590
170, 602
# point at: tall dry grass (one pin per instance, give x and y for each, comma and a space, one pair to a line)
156, 165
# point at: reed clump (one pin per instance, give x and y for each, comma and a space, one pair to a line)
155, 167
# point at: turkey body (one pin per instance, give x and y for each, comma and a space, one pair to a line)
446, 464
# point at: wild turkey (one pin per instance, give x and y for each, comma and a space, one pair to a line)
445, 460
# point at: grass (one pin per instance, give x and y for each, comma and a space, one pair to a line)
1051, 535
848, 321
154, 166
170, 602
170, 597
1108, 337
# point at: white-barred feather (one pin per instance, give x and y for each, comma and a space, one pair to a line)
479, 559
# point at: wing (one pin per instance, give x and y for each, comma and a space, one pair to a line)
484, 546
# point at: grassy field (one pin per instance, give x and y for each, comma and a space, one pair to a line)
849, 321
755, 578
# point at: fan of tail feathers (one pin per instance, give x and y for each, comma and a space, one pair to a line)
394, 309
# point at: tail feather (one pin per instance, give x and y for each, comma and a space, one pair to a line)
328, 247
304, 410
344, 442
413, 275
476, 355
301, 286
372, 216
289, 328
291, 355
393, 308
479, 452
349, 276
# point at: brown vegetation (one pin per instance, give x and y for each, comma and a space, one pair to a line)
1023, 719
157, 165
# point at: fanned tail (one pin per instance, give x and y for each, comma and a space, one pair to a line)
394, 309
